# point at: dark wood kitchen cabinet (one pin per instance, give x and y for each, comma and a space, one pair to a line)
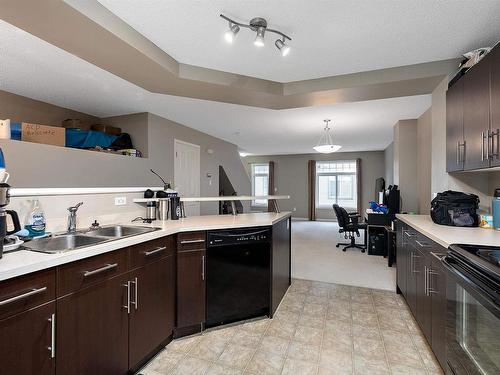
26, 340
473, 117
456, 147
191, 286
27, 324
495, 107
281, 262
424, 279
152, 299
437, 290
476, 110
92, 329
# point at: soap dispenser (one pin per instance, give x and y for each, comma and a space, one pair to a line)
496, 209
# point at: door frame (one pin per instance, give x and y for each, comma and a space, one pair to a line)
181, 142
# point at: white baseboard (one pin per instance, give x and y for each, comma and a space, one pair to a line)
299, 218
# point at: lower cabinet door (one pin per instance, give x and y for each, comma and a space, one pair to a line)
423, 313
92, 330
411, 280
26, 342
190, 288
153, 308
437, 285
401, 260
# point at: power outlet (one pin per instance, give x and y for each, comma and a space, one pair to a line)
120, 201
294, 209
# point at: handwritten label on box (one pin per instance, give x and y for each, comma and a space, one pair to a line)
50, 135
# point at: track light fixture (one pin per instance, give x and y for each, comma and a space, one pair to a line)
259, 25
230, 35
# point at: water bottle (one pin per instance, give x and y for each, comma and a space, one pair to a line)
496, 209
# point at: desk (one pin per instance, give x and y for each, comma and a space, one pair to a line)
381, 239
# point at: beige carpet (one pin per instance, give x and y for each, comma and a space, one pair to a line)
315, 257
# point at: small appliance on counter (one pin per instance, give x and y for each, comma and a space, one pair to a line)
4, 201
168, 202
496, 209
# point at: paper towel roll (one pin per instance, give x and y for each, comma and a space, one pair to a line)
5, 129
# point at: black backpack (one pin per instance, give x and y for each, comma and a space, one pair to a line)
455, 208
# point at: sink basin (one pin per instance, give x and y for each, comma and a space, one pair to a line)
63, 243
118, 231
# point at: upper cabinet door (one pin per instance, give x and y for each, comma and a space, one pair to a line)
495, 105
477, 115
455, 146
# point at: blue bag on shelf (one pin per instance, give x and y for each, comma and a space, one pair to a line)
78, 138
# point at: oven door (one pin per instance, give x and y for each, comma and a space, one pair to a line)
472, 325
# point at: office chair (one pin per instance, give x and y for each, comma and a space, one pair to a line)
349, 225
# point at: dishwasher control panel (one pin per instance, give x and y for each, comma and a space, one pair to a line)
238, 236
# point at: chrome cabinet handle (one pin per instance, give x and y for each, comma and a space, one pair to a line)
127, 306
155, 251
52, 347
135, 302
203, 267
31, 293
191, 241
413, 256
438, 256
99, 270
430, 289
493, 135
425, 280
423, 245
458, 152
408, 233
482, 146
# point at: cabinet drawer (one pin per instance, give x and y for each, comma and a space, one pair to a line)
147, 252
191, 241
25, 292
78, 275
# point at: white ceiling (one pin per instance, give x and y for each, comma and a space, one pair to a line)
37, 69
329, 37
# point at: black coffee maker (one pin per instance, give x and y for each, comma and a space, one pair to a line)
4, 201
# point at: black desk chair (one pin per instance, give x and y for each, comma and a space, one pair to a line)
349, 225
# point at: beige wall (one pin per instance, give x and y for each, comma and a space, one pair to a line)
389, 164
424, 148
291, 177
21, 109
405, 165
39, 165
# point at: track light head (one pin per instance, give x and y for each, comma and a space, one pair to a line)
230, 34
284, 49
259, 38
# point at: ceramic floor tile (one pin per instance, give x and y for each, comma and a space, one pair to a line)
192, 366
335, 360
265, 363
318, 329
308, 335
304, 352
296, 367
236, 356
276, 345
216, 369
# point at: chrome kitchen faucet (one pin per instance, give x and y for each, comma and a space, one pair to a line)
72, 217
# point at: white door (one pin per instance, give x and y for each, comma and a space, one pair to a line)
187, 174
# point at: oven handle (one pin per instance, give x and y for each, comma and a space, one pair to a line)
467, 283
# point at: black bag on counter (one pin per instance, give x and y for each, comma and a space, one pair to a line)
455, 208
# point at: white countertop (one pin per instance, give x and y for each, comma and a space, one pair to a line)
23, 262
445, 235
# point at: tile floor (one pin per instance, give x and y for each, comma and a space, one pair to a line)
318, 329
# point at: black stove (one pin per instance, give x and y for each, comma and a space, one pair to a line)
492, 256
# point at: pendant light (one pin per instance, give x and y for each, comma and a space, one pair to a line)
325, 144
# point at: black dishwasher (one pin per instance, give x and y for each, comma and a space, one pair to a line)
238, 274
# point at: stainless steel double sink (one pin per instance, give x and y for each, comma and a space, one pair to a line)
71, 241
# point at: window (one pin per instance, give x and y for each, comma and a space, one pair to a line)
336, 182
260, 182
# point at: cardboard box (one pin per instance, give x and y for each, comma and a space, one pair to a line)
49, 135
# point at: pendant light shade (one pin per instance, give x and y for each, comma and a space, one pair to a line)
325, 144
